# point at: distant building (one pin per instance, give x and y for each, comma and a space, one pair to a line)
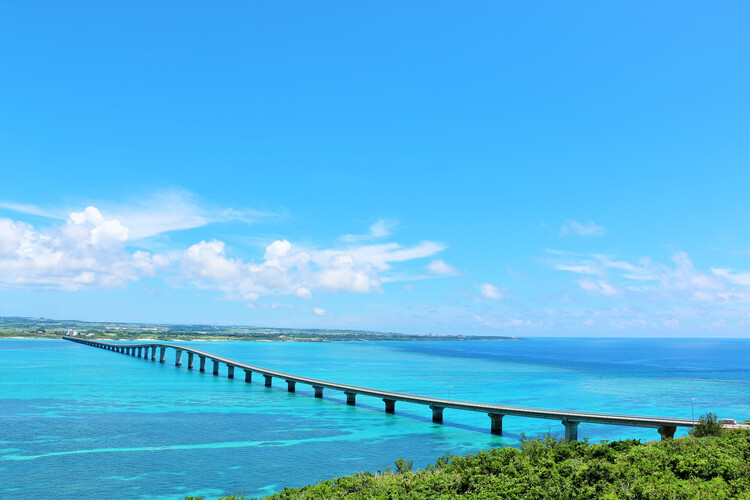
72, 333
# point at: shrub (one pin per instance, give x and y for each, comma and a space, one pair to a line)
708, 425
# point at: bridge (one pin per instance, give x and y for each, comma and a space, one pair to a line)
570, 419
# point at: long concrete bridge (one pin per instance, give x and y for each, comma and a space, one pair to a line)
569, 419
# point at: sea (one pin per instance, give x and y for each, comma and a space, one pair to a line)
86, 423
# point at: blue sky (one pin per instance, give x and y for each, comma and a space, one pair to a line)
496, 168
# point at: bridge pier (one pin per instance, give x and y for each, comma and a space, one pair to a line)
269, 380
145, 352
290, 384
178, 357
162, 354
390, 405
203, 363
190, 361
216, 366
230, 371
248, 376
351, 398
153, 353
571, 429
667, 432
140, 352
497, 423
318, 391
437, 414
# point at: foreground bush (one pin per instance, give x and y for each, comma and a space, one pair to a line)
708, 425
713, 467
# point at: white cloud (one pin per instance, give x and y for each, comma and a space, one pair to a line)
738, 278
379, 229
599, 287
319, 311
578, 268
86, 251
290, 269
440, 267
678, 280
571, 227
160, 212
673, 324
490, 291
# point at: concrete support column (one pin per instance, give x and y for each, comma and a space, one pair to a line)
437, 414
203, 363
497, 423
140, 352
230, 371
153, 353
178, 357
216, 366
162, 354
290, 385
190, 360
318, 391
571, 430
667, 432
248, 376
350, 398
390, 405
145, 352
269, 380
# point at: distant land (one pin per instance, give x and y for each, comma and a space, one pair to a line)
43, 328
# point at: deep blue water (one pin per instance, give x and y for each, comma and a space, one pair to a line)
84, 423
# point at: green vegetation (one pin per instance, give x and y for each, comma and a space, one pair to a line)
47, 328
708, 425
712, 467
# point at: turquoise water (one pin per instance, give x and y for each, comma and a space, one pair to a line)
84, 423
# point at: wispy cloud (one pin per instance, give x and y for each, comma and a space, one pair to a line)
379, 229
575, 228
440, 267
159, 212
27, 209
677, 280
490, 291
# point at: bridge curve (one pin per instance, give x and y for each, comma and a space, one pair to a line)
570, 419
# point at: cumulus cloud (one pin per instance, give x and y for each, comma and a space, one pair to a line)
288, 269
571, 227
319, 311
88, 250
440, 267
490, 291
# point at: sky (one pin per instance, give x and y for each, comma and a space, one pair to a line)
478, 167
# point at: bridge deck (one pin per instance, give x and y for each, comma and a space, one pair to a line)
561, 415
